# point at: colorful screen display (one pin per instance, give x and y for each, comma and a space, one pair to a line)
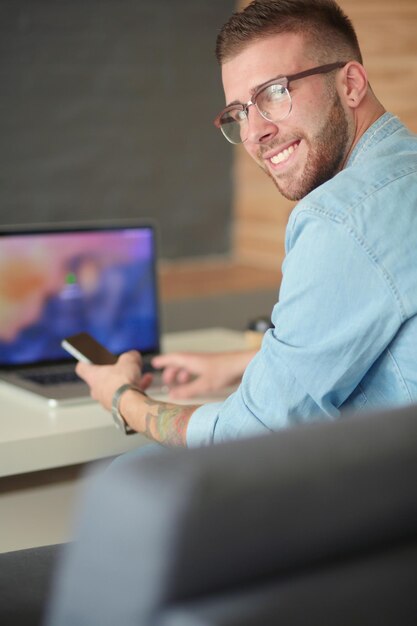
57, 284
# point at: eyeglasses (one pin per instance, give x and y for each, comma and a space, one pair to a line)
272, 100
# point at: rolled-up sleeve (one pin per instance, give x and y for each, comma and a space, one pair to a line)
202, 423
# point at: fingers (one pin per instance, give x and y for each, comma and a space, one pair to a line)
177, 368
146, 381
129, 364
175, 359
186, 374
183, 376
103, 380
193, 389
132, 356
175, 376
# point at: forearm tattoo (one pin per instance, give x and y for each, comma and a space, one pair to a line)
167, 423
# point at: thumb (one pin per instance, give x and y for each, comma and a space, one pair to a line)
83, 369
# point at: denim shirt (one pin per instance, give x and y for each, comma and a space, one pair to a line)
345, 325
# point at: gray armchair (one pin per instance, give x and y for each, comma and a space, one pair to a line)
314, 525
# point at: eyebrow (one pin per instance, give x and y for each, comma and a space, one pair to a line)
256, 88
230, 104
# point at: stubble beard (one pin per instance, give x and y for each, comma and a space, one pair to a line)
327, 150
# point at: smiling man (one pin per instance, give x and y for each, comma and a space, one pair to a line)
345, 326
303, 150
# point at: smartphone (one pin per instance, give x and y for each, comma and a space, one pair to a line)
85, 348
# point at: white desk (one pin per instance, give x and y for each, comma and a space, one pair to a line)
35, 437
37, 507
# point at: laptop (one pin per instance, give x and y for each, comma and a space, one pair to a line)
61, 281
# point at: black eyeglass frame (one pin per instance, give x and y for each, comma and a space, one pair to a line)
283, 81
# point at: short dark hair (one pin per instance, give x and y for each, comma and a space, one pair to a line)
328, 30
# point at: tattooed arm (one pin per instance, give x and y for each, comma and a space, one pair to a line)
163, 422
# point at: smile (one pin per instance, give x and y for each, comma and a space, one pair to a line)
284, 154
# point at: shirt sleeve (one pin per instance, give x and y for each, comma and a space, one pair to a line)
338, 310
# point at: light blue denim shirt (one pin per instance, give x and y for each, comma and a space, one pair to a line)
345, 335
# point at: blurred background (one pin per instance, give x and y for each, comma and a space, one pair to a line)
106, 114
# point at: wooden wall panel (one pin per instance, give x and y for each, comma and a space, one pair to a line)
387, 34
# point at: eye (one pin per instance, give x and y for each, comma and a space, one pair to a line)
274, 93
234, 116
239, 115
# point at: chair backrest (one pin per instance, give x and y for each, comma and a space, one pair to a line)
316, 524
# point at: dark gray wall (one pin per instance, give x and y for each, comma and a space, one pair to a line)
106, 110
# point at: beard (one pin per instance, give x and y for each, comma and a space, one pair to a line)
327, 150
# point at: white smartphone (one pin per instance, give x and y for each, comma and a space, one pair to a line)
85, 348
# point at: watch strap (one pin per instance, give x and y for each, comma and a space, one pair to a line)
118, 418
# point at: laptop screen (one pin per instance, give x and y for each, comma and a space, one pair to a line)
58, 283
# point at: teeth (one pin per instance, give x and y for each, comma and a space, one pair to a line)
283, 156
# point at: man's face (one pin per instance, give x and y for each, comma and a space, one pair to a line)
310, 145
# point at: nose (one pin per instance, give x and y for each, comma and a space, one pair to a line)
260, 130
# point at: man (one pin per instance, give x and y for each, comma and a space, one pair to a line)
345, 326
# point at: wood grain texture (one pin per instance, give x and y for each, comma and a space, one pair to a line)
213, 276
387, 35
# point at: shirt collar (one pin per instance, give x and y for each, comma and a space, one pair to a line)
384, 126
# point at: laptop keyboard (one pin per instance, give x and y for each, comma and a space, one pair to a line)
51, 377
46, 376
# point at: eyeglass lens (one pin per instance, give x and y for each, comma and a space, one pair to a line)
273, 103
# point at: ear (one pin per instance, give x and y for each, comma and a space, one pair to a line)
353, 84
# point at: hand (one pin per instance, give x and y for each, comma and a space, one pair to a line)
103, 380
195, 374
